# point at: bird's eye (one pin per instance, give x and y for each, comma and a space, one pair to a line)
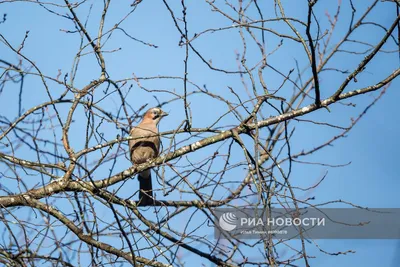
156, 114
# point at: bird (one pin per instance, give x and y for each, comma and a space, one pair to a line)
145, 146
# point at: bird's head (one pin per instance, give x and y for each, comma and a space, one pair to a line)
154, 115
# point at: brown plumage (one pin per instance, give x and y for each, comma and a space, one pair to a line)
144, 147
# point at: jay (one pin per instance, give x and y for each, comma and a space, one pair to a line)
144, 147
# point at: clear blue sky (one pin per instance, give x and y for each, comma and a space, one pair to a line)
371, 180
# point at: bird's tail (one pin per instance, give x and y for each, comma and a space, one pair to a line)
146, 188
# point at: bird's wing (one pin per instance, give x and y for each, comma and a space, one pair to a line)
146, 138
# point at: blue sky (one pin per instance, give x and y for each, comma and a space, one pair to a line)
371, 180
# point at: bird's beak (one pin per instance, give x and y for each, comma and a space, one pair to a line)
164, 114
